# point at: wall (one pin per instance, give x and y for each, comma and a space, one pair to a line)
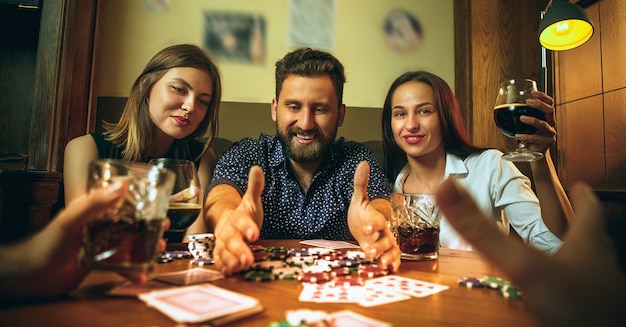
133, 33
590, 85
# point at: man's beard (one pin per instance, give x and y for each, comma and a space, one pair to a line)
301, 153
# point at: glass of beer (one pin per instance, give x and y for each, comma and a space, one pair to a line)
415, 220
126, 239
510, 105
186, 200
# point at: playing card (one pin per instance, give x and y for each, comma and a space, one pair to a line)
131, 289
201, 303
347, 318
327, 292
330, 244
404, 285
376, 296
190, 276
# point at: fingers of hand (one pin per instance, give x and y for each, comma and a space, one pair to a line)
232, 256
93, 204
386, 251
251, 200
231, 251
543, 97
256, 183
462, 212
361, 178
589, 214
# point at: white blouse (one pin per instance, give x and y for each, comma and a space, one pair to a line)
501, 191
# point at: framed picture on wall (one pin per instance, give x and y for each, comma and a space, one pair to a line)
234, 36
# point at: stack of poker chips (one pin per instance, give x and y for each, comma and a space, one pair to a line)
201, 248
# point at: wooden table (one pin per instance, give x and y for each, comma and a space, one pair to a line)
457, 306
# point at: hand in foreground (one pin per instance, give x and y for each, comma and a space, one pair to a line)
239, 227
545, 135
368, 224
47, 263
581, 285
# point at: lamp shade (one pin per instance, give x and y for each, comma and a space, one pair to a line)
565, 26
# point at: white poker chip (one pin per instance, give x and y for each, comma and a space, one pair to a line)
305, 317
316, 269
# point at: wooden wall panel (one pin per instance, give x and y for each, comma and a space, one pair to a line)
581, 142
613, 13
503, 45
62, 89
579, 69
615, 138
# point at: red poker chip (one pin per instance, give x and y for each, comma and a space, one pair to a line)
372, 270
261, 256
333, 256
342, 271
314, 277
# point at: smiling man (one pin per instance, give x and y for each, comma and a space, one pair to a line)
301, 183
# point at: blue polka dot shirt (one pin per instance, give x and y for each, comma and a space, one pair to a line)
289, 213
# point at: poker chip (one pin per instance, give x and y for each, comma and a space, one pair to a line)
200, 262
319, 251
341, 271
306, 317
301, 260
287, 273
268, 265
179, 254
314, 277
317, 269
334, 256
470, 282
259, 276
493, 282
163, 258
255, 248
372, 270
299, 252
510, 292
278, 253
327, 263
347, 262
360, 255
201, 246
261, 256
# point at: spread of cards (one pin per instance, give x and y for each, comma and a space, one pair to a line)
329, 272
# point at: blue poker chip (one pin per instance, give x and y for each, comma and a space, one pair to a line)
163, 258
200, 262
178, 254
347, 262
298, 252
470, 282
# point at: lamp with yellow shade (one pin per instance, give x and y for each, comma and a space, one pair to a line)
565, 26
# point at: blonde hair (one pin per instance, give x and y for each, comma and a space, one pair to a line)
134, 129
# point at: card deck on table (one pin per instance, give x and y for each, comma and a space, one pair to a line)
404, 285
352, 319
202, 303
190, 276
330, 244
